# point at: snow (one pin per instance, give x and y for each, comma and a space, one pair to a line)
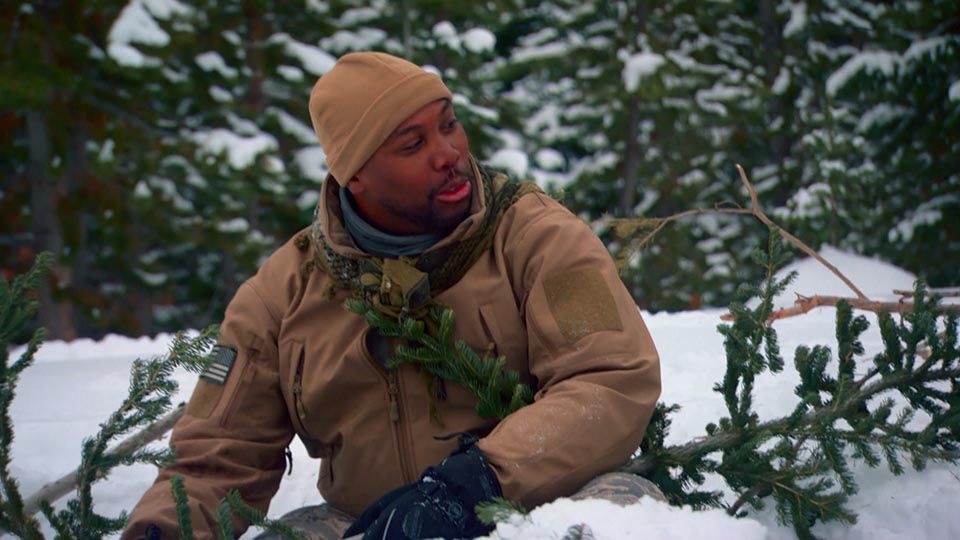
647, 519
314, 59
782, 83
638, 67
360, 40
923, 47
954, 91
540, 52
479, 40
798, 19
212, 61
51, 418
220, 94
514, 161
549, 159
241, 150
129, 56
808, 201
293, 126
869, 61
927, 214
312, 163
290, 73
235, 225
136, 25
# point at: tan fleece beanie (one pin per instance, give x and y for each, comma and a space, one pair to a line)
356, 105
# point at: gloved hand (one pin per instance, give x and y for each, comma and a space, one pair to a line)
152, 532
440, 505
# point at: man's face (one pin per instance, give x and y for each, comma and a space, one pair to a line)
419, 180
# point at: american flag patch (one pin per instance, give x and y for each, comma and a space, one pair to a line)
219, 369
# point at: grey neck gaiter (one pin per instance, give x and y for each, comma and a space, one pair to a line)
376, 242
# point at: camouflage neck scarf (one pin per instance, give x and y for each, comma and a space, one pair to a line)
407, 284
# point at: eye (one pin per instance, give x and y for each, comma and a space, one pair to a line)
412, 145
450, 124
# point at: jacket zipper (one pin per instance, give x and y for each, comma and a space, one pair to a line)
393, 390
298, 390
393, 410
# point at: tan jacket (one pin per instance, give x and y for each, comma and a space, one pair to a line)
546, 295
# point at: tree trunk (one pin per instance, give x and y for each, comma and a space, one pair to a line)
45, 226
631, 154
772, 40
631, 157
77, 221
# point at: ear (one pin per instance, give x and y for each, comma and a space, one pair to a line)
355, 186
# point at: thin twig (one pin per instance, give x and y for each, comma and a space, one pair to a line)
758, 212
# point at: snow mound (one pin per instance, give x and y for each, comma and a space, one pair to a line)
646, 519
875, 278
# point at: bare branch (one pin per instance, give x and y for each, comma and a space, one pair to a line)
758, 212
949, 292
755, 210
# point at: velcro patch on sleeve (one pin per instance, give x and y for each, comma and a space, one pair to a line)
205, 397
219, 369
581, 303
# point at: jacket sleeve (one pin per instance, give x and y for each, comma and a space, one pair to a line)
233, 435
597, 369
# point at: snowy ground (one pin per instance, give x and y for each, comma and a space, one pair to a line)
73, 386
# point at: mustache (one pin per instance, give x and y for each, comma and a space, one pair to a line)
455, 176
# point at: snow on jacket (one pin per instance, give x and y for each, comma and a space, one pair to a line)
546, 295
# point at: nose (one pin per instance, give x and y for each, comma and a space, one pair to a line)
445, 154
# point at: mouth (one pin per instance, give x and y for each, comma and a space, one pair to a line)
455, 190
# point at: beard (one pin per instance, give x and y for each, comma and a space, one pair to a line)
431, 215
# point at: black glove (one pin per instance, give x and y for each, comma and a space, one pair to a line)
440, 505
152, 532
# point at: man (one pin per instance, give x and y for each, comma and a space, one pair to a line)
408, 222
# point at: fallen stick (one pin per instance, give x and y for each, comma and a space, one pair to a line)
67, 483
807, 303
944, 293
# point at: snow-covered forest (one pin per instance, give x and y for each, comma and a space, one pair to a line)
160, 149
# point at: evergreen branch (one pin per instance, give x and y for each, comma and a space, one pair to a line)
724, 440
68, 482
806, 472
180, 501
17, 305
257, 518
498, 509
151, 389
225, 521
499, 391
